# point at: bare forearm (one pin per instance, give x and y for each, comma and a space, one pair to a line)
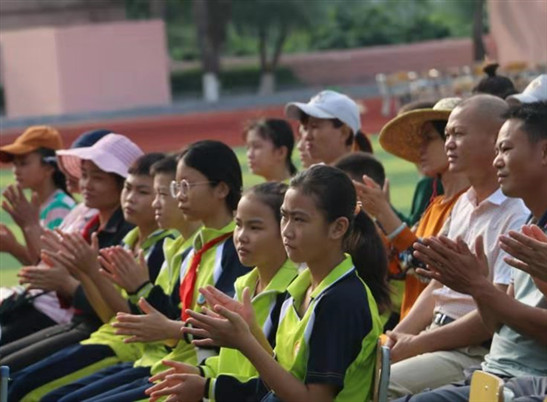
68, 287
465, 331
421, 314
20, 252
110, 294
286, 386
94, 297
489, 317
172, 332
262, 340
32, 235
498, 308
388, 219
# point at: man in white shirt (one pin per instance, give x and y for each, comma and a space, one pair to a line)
518, 317
443, 333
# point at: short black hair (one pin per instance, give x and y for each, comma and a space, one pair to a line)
357, 164
534, 118
167, 165
141, 167
218, 162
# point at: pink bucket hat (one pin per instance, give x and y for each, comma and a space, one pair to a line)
114, 153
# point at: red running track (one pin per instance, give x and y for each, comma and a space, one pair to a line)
170, 133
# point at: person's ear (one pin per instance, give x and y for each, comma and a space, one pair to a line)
346, 133
338, 228
281, 152
49, 169
222, 190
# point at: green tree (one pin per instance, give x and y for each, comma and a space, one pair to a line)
271, 22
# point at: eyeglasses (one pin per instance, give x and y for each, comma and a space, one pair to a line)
184, 186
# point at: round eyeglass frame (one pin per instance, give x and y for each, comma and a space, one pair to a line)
184, 186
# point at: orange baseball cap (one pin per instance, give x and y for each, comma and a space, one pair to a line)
33, 138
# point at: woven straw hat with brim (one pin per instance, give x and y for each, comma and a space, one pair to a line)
403, 136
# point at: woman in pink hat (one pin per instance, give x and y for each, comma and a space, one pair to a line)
101, 170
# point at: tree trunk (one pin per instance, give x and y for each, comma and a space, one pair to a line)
210, 59
211, 87
479, 50
267, 83
268, 67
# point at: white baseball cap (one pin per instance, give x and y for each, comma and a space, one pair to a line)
536, 91
328, 105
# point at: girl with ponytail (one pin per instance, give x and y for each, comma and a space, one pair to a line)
329, 323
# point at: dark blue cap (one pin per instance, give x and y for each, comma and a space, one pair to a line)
89, 138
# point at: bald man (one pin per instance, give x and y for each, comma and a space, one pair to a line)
443, 334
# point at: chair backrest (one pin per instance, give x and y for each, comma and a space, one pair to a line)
381, 373
485, 387
4, 377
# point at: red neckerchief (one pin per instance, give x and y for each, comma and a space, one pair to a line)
188, 284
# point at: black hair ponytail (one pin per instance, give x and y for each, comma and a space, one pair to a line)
335, 195
367, 250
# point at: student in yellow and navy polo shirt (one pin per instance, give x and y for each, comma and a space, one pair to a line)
328, 328
208, 188
258, 242
104, 348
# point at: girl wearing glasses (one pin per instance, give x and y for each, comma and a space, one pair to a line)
269, 149
329, 323
208, 188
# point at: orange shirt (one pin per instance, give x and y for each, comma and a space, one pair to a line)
430, 224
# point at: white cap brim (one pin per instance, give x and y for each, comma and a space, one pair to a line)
294, 110
523, 98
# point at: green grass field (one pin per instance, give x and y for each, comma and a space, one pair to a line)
402, 175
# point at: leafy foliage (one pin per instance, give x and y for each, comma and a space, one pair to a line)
317, 24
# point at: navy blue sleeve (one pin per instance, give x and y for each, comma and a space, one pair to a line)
155, 259
274, 317
342, 320
229, 389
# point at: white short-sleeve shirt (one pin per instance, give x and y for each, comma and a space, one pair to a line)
490, 218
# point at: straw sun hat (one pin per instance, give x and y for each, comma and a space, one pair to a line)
403, 136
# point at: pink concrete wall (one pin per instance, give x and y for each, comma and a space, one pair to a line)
29, 72
520, 30
85, 68
360, 65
